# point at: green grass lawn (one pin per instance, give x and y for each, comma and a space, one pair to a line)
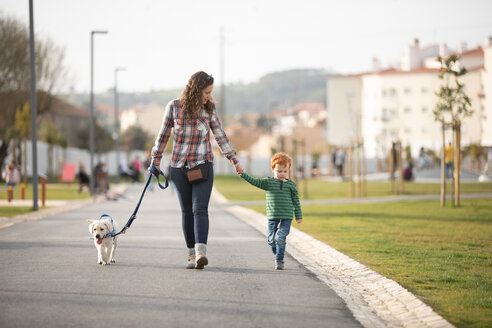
237, 189
11, 211
442, 255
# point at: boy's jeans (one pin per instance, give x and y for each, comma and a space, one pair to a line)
277, 234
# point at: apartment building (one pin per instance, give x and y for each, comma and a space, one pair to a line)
383, 106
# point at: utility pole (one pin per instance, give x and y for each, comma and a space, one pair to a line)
304, 169
294, 158
116, 133
92, 118
222, 113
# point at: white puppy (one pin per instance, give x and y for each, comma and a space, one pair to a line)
104, 242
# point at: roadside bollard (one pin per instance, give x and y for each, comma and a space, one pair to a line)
23, 191
9, 192
43, 191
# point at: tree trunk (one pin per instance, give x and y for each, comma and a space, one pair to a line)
364, 171
359, 171
457, 161
351, 170
400, 168
50, 161
443, 172
391, 172
24, 161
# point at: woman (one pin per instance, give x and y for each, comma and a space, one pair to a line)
191, 117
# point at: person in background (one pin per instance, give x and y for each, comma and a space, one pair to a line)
137, 167
83, 178
448, 161
11, 175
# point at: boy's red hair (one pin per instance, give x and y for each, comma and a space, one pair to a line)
280, 159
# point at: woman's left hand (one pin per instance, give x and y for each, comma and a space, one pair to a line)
239, 168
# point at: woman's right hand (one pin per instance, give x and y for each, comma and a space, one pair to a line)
155, 170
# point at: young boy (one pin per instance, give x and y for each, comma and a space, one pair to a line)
282, 203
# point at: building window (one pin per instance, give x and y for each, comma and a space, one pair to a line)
407, 110
407, 91
423, 130
424, 110
384, 93
392, 92
425, 90
408, 130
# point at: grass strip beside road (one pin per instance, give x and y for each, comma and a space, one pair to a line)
11, 211
53, 192
442, 255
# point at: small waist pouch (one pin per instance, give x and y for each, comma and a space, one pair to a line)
197, 174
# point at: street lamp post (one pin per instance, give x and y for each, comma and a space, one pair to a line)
34, 111
91, 123
116, 134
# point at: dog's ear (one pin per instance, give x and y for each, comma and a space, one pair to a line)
91, 226
90, 221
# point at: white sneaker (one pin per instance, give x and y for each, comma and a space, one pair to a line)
201, 256
191, 262
191, 258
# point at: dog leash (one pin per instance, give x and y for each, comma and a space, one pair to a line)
134, 215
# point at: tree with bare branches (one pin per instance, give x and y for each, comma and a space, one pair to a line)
15, 77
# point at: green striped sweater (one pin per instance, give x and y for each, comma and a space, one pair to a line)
282, 197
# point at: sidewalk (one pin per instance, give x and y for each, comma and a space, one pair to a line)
49, 276
374, 300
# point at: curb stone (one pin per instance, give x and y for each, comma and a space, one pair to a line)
374, 300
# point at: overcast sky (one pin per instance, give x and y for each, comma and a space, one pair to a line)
161, 43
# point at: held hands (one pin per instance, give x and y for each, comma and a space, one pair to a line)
298, 220
239, 169
154, 170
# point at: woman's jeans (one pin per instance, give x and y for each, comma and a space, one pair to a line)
277, 234
194, 199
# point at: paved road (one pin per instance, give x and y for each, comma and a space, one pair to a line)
49, 276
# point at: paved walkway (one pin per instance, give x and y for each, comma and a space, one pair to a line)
374, 300
49, 276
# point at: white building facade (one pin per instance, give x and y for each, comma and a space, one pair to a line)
397, 104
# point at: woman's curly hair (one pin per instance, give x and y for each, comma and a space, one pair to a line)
191, 98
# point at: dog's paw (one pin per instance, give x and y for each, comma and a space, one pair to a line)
99, 262
113, 261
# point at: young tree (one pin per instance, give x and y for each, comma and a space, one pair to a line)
453, 105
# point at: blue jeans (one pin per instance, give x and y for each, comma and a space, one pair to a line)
194, 199
448, 168
277, 235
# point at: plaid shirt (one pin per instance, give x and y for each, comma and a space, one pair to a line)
191, 139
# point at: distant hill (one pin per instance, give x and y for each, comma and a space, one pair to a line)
274, 90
